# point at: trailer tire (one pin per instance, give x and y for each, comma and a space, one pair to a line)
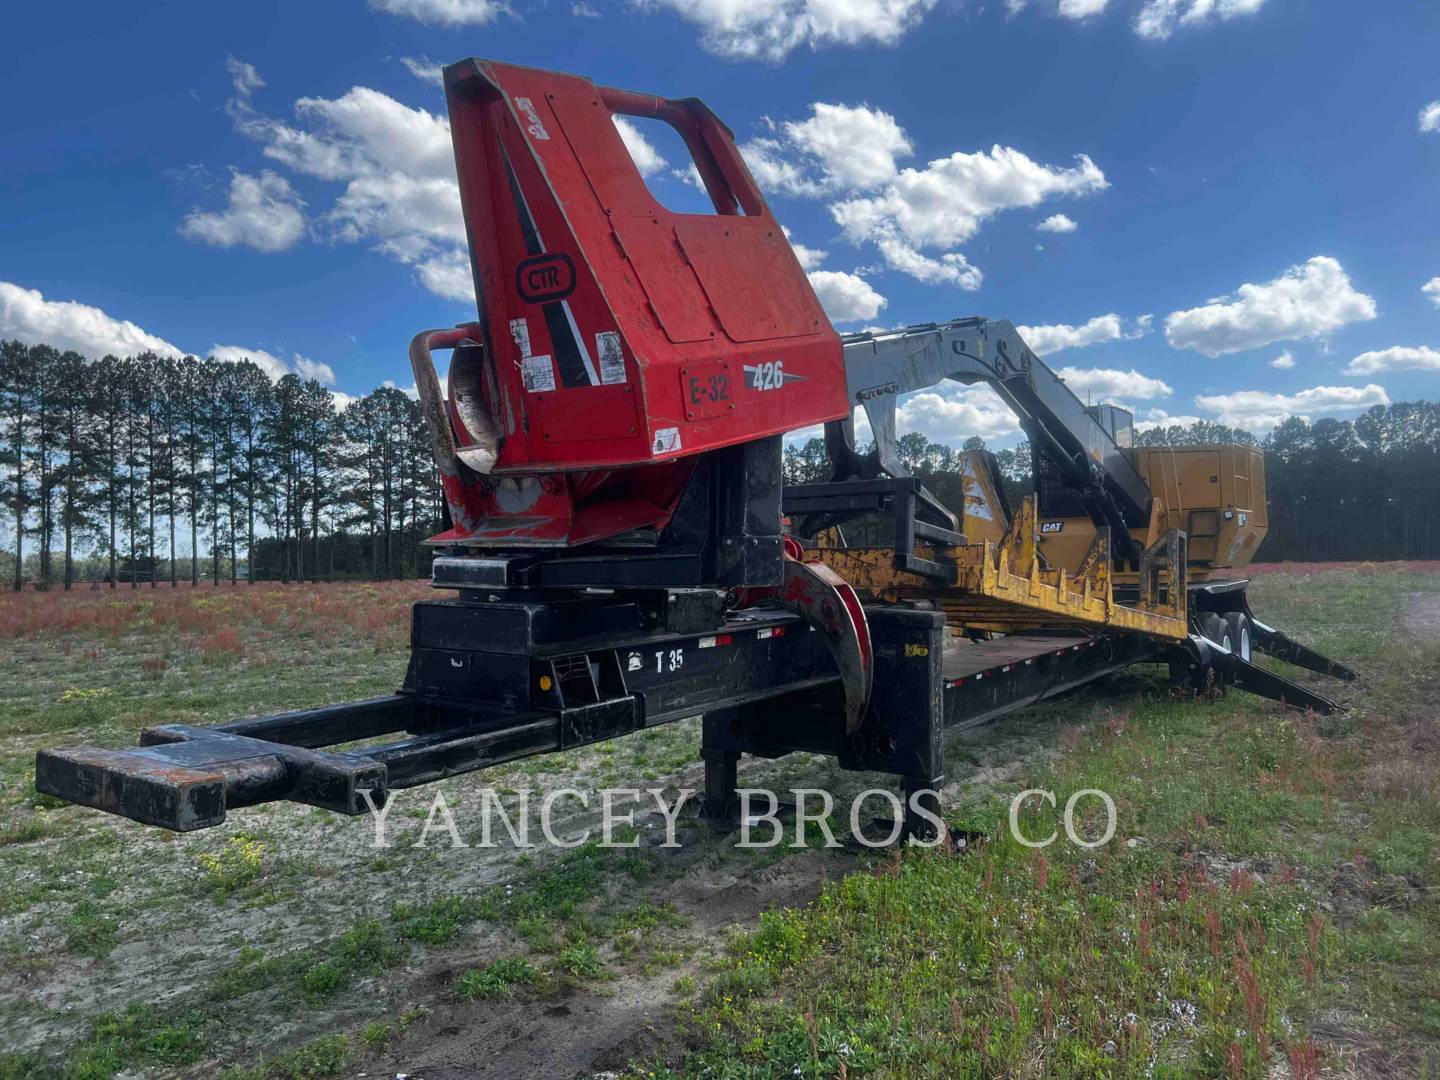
1217, 630
1239, 625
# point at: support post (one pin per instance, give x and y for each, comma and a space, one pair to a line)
721, 779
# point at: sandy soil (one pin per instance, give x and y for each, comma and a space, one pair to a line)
597, 1029
1421, 615
603, 1029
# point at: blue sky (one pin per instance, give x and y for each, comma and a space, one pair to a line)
1241, 195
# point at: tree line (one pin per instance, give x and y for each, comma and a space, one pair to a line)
146, 467
1338, 490
149, 467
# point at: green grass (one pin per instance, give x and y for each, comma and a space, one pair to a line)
563, 897
496, 980
1187, 946
1252, 888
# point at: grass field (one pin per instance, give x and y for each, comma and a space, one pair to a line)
1268, 906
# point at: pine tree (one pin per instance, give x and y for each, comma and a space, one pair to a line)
76, 477
253, 399
17, 412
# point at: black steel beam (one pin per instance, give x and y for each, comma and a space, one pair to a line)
1280, 645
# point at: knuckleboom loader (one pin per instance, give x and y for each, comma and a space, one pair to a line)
621, 550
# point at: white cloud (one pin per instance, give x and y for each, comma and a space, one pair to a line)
808, 257
27, 316
1057, 223
854, 146
274, 366
1051, 339
1158, 19
945, 203
580, 9
773, 171
245, 77
838, 148
447, 274
1259, 410
398, 169
1306, 301
444, 12
1284, 362
1107, 385
851, 151
771, 29
845, 297
1159, 418
647, 159
1430, 117
1080, 9
314, 369
951, 268
1397, 358
952, 413
1432, 287
263, 213
425, 69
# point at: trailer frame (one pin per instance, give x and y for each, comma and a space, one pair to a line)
496, 677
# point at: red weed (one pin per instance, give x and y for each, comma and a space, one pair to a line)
1212, 927
1304, 1059
222, 641
1235, 1061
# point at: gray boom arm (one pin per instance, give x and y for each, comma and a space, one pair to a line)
880, 367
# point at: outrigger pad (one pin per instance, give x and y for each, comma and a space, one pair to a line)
185, 778
137, 784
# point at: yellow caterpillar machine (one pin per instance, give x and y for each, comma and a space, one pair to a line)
616, 555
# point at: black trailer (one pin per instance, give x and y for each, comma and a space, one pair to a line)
495, 677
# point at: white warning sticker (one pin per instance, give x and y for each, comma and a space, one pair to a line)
612, 358
520, 331
667, 441
532, 118
539, 373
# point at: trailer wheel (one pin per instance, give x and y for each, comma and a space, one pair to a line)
1217, 630
1239, 625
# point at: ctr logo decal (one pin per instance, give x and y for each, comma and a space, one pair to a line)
541, 279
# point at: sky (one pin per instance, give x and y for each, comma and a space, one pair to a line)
1217, 209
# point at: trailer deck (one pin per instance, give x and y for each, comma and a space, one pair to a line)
491, 682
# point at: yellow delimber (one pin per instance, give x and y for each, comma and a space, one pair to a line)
1004, 587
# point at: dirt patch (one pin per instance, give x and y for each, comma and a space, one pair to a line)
1421, 615
589, 1030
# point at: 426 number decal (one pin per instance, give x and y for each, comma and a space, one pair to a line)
767, 375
